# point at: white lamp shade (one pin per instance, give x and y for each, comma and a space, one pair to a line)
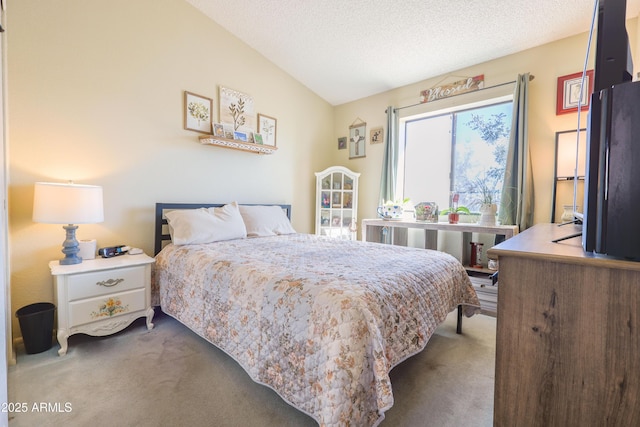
55, 203
566, 162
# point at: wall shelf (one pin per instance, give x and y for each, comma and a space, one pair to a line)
237, 145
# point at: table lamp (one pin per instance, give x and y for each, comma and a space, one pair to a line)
56, 203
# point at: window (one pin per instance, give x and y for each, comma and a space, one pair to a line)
463, 151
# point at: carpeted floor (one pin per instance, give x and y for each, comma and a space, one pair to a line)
170, 376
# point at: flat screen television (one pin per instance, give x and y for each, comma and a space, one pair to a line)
610, 223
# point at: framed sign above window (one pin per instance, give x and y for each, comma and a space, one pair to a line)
568, 95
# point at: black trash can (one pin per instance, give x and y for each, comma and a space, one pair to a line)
36, 325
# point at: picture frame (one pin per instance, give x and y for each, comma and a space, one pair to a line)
257, 138
342, 143
236, 108
228, 130
568, 93
267, 127
197, 112
376, 135
240, 136
357, 141
218, 130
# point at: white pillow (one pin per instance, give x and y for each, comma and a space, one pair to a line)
206, 225
264, 221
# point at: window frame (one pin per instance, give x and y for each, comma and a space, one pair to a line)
403, 121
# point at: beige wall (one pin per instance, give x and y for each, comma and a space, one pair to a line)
95, 95
546, 63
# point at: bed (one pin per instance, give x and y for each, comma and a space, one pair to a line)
321, 321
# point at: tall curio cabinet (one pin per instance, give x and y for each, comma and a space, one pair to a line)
337, 203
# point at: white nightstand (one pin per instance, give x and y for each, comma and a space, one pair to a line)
101, 296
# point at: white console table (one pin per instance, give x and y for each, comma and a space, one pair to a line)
371, 231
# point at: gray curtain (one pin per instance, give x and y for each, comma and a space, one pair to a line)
389, 176
516, 204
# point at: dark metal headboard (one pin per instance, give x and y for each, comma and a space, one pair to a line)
161, 221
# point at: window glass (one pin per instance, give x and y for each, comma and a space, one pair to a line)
464, 151
427, 162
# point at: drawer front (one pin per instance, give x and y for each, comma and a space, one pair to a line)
105, 282
106, 307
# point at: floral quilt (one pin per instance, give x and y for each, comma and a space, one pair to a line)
321, 321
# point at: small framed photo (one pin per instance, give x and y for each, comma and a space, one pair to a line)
376, 135
257, 138
240, 136
357, 141
342, 143
228, 130
267, 128
218, 130
568, 95
197, 112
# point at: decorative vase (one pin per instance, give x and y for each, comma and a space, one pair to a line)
567, 213
488, 214
476, 255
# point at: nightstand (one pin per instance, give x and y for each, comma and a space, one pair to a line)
101, 296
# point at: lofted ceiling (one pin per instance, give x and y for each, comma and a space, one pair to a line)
345, 50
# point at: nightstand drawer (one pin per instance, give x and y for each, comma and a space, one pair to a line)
106, 307
105, 282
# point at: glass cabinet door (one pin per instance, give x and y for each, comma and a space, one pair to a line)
336, 203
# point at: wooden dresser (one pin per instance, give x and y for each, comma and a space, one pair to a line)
568, 334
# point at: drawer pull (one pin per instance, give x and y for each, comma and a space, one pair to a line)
109, 283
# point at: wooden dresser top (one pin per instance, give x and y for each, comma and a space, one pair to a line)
537, 242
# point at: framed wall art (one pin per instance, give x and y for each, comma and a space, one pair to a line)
357, 140
377, 136
342, 143
568, 95
240, 136
197, 112
236, 108
218, 130
267, 127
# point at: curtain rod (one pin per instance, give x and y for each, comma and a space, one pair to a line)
531, 77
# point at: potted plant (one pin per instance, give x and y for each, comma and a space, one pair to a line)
488, 208
454, 210
453, 214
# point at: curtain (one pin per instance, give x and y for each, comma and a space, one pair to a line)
516, 204
389, 176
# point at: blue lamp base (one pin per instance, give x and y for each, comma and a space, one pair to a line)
70, 247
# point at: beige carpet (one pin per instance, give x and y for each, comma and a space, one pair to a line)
170, 376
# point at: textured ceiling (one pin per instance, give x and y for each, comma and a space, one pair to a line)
345, 50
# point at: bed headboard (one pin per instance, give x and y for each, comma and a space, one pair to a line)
161, 234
